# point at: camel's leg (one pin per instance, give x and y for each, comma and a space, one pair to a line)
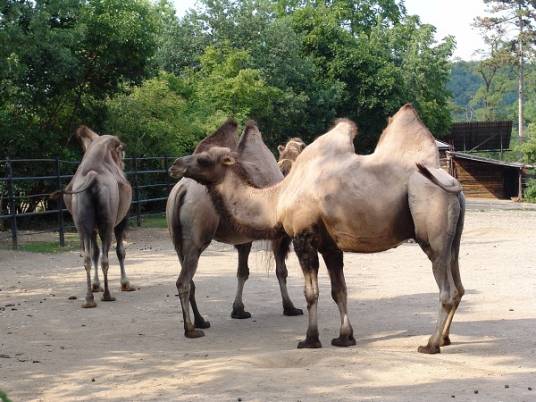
280, 248
242, 275
106, 238
308, 258
334, 262
119, 232
85, 239
455, 274
96, 287
199, 321
189, 260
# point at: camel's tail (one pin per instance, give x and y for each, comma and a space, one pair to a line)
89, 180
173, 212
447, 182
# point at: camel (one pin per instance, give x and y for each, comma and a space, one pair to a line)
98, 197
288, 153
193, 222
334, 200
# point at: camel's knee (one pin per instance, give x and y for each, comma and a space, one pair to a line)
450, 298
311, 295
281, 271
243, 272
183, 286
120, 251
87, 263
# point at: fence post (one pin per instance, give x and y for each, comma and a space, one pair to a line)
166, 168
61, 229
137, 192
12, 204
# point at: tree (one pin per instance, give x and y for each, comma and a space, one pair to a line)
519, 16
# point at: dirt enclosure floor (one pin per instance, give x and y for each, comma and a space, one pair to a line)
134, 349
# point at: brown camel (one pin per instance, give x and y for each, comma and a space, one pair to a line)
334, 200
193, 222
98, 197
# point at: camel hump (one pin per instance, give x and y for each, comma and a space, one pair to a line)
85, 136
224, 136
259, 162
407, 139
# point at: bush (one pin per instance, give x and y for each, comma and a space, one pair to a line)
530, 191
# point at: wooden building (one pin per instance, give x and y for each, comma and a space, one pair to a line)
480, 136
488, 178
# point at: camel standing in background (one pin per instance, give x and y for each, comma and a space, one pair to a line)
334, 200
288, 154
98, 197
193, 222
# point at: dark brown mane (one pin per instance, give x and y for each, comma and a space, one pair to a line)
248, 231
222, 137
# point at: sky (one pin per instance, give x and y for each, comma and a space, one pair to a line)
450, 17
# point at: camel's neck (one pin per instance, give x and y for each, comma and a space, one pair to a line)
251, 211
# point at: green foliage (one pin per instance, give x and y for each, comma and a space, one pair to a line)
3, 397
60, 59
530, 191
153, 119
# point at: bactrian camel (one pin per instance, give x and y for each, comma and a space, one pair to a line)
334, 200
98, 197
194, 222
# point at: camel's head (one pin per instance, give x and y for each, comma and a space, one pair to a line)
208, 167
288, 154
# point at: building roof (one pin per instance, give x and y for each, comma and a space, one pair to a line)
442, 145
476, 158
480, 135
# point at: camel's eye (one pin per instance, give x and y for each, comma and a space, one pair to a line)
205, 161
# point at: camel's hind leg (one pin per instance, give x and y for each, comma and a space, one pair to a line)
334, 262
86, 240
189, 258
199, 321
442, 249
280, 249
96, 287
119, 232
308, 257
106, 238
455, 273
242, 275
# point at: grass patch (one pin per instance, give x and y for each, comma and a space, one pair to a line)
154, 221
3, 397
48, 246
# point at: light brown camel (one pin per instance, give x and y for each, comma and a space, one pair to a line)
98, 197
334, 200
288, 154
193, 222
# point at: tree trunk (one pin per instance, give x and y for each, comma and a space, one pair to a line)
521, 123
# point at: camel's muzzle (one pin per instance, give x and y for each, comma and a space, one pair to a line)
178, 169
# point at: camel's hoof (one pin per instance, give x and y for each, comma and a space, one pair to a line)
125, 287
89, 304
429, 349
240, 313
292, 311
96, 288
194, 333
107, 298
310, 343
445, 341
202, 324
343, 341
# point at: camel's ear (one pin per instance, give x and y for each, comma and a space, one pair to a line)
86, 136
228, 160
280, 148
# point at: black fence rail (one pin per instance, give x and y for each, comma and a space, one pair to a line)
25, 186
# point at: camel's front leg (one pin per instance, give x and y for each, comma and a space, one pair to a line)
242, 275
308, 258
334, 262
280, 248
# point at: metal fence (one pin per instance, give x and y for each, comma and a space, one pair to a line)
25, 185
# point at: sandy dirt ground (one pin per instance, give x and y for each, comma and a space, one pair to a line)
134, 349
